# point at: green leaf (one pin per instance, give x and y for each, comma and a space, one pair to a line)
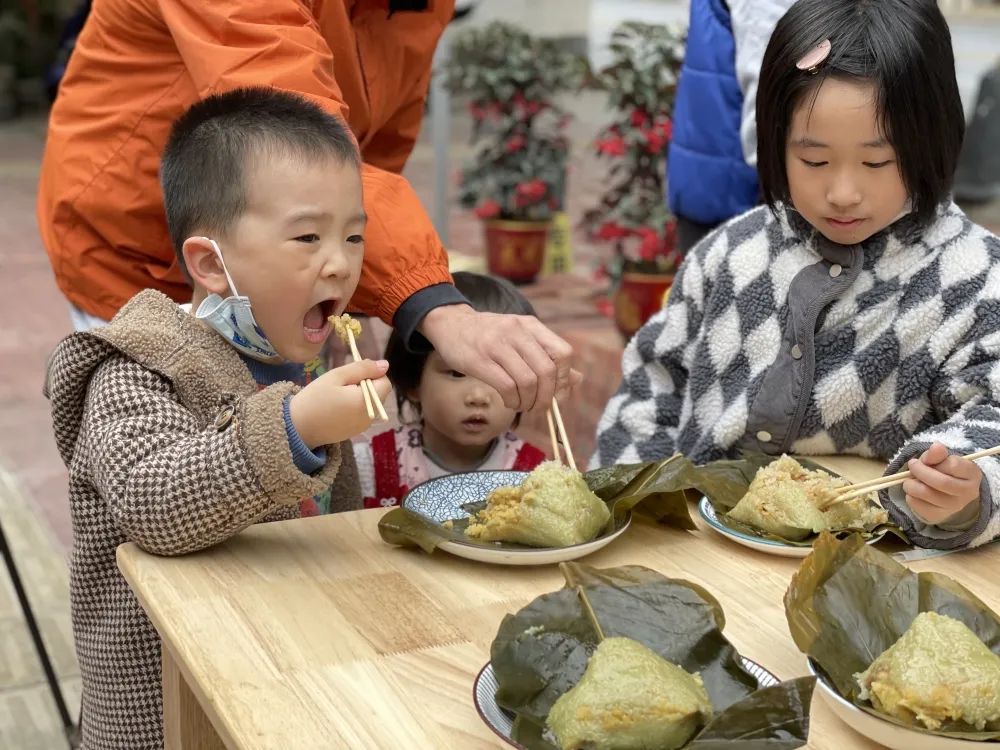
739, 727
849, 602
542, 651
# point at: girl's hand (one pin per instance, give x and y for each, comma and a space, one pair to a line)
332, 408
941, 485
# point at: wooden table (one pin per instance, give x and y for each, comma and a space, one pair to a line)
316, 634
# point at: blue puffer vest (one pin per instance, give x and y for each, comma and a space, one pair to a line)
707, 178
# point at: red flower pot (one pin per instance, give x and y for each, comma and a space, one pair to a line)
637, 298
515, 249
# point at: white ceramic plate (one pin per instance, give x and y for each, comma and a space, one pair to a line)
484, 692
885, 733
770, 546
442, 499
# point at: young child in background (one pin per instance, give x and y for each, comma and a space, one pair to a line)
182, 427
859, 311
462, 423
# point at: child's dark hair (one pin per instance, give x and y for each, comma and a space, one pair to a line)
485, 294
204, 164
903, 48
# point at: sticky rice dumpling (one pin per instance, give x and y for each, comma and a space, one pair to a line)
937, 671
554, 507
784, 498
630, 698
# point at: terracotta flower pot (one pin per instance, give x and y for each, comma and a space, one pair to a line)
515, 249
637, 298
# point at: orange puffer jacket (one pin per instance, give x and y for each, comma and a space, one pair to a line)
138, 64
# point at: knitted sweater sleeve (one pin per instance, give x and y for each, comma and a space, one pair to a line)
174, 485
641, 420
966, 400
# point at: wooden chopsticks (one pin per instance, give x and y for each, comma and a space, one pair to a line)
851, 491
563, 439
344, 328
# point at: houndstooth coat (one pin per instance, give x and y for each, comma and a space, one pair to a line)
169, 444
775, 339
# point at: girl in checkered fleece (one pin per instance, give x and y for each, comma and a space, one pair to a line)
858, 312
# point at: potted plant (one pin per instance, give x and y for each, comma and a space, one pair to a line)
517, 178
632, 215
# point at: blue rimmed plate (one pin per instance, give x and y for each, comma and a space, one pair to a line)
770, 546
484, 692
445, 498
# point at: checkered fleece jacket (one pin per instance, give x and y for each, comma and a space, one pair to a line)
775, 339
169, 444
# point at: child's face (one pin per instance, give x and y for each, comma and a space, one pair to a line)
459, 409
842, 174
296, 251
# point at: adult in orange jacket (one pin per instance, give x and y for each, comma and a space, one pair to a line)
138, 64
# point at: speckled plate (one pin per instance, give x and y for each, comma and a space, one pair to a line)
446, 497
770, 546
484, 692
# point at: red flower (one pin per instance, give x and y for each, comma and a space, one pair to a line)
639, 118
613, 146
515, 143
666, 128
604, 307
651, 244
655, 142
530, 192
488, 209
611, 231
533, 108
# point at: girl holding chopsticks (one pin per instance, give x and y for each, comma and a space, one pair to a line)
858, 312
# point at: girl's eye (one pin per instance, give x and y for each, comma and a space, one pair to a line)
356, 239
456, 374
814, 163
878, 164
308, 238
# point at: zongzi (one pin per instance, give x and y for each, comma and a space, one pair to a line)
552, 508
784, 498
937, 671
630, 698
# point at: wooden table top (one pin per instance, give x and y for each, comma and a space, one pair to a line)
316, 634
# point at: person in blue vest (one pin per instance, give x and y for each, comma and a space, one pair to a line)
711, 166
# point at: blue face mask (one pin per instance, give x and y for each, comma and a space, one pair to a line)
233, 319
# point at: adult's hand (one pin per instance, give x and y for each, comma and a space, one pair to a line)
516, 354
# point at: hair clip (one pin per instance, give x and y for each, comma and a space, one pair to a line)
811, 60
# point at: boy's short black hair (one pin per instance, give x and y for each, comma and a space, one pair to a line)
204, 164
485, 294
902, 47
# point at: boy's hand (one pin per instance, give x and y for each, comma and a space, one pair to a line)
332, 408
941, 485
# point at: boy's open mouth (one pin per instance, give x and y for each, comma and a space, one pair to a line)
315, 323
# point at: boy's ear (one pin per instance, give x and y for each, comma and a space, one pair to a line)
204, 266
